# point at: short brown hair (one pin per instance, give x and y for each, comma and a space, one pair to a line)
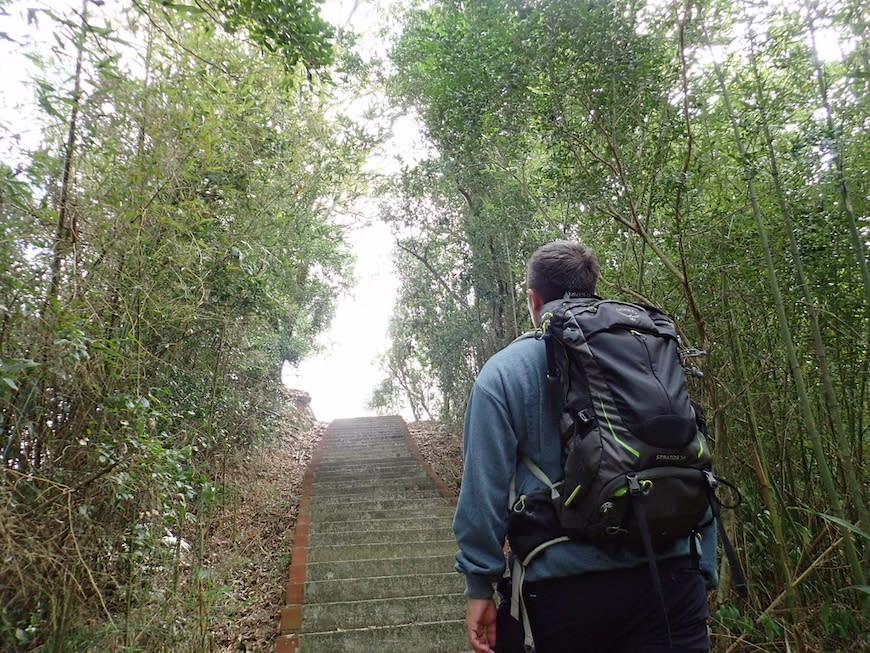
560, 267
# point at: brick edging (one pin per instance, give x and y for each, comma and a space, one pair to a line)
290, 623
443, 489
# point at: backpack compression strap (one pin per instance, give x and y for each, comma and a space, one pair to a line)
736, 569
636, 493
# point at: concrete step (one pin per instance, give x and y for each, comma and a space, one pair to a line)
335, 569
379, 454
411, 522
383, 587
365, 476
390, 551
376, 554
437, 530
358, 429
357, 485
377, 495
338, 473
339, 443
433, 505
435, 637
318, 617
343, 513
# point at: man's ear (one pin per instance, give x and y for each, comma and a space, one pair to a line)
536, 303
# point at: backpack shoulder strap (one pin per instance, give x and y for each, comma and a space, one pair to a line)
534, 333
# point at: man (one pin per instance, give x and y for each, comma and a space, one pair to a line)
579, 597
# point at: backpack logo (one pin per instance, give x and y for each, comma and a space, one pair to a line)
671, 457
629, 312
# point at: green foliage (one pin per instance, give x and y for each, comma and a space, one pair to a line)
533, 152
168, 245
291, 28
607, 122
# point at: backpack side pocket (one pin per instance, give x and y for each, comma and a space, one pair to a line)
533, 521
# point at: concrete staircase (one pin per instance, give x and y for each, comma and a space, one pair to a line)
372, 565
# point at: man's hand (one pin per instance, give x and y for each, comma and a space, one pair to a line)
480, 624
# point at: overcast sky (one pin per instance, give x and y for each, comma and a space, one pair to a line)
341, 379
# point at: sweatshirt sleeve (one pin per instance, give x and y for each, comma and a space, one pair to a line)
480, 522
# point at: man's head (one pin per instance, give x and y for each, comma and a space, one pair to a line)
559, 267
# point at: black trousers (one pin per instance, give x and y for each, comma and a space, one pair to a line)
619, 611
510, 637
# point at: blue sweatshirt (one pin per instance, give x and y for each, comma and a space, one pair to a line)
511, 410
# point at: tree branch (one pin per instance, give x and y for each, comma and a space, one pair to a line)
453, 294
175, 42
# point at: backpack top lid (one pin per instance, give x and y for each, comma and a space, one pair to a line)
563, 317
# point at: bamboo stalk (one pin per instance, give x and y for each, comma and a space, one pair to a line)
806, 408
856, 489
842, 184
759, 459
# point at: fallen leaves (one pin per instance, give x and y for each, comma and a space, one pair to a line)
253, 536
441, 447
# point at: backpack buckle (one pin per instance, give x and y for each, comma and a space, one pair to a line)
638, 487
585, 415
711, 479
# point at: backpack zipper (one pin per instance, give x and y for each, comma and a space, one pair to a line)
620, 481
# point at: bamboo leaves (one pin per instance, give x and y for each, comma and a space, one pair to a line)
712, 154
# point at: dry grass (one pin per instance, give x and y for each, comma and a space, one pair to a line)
252, 537
442, 449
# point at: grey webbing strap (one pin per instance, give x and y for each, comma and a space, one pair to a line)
516, 588
534, 553
541, 476
518, 603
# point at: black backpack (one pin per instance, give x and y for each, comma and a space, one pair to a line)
632, 442
637, 466
636, 460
